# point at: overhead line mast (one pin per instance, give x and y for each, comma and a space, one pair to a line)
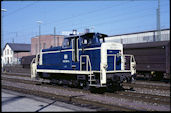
54, 36
158, 22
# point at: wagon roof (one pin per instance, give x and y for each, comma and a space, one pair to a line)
147, 44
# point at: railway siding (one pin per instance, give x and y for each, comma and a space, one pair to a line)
140, 88
69, 96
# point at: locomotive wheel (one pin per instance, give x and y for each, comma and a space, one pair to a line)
114, 86
86, 87
101, 90
92, 89
82, 84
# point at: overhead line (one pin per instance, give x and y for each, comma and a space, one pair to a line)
89, 12
108, 22
101, 23
20, 9
85, 13
112, 16
117, 15
77, 15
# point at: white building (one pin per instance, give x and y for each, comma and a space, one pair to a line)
13, 52
138, 37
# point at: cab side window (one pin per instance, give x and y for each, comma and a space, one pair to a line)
86, 41
66, 43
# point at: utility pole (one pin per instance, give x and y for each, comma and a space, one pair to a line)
54, 36
158, 22
58, 40
2, 43
39, 22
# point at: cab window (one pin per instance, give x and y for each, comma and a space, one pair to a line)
84, 41
102, 40
66, 43
87, 41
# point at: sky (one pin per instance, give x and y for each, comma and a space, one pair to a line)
109, 17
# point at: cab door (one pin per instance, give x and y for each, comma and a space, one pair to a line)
84, 64
75, 51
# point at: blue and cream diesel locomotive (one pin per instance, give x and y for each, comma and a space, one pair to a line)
85, 60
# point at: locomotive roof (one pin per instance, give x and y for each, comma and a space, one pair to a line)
87, 35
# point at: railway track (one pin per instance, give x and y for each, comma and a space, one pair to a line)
127, 95
142, 97
158, 86
137, 84
69, 97
121, 94
130, 96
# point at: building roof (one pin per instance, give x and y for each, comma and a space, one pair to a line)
138, 32
19, 47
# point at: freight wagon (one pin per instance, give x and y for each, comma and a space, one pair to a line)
152, 59
26, 61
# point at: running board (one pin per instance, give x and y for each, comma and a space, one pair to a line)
64, 71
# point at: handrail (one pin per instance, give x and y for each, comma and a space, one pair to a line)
87, 62
32, 61
31, 66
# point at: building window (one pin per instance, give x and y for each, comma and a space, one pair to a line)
7, 60
7, 51
44, 45
66, 43
11, 59
11, 52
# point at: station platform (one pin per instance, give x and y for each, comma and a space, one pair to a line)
18, 102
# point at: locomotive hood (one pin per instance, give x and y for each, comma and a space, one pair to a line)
109, 46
